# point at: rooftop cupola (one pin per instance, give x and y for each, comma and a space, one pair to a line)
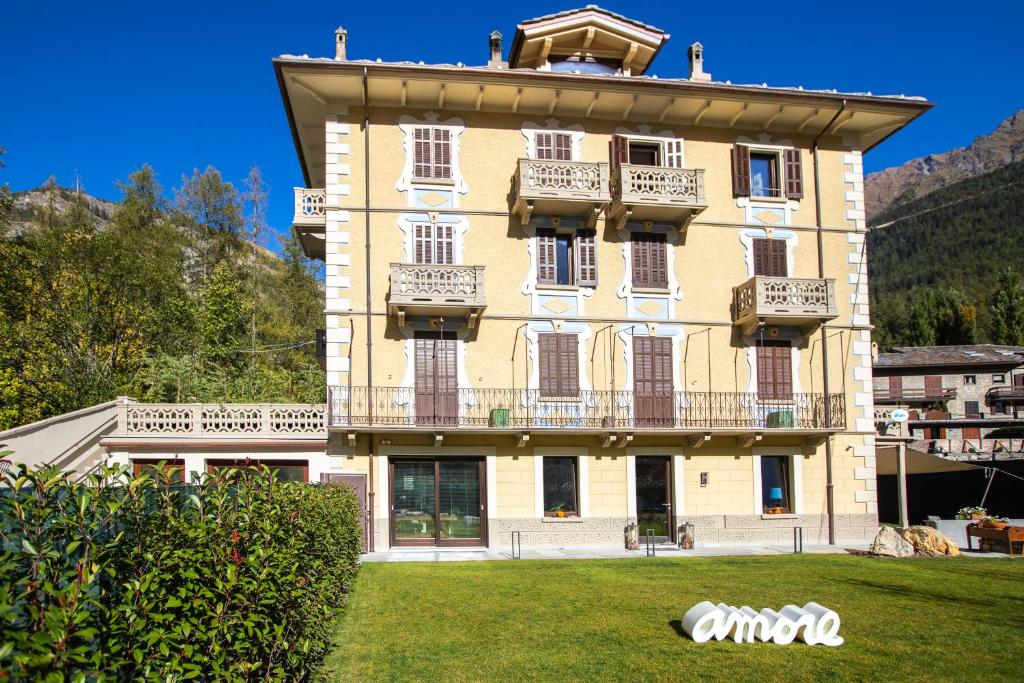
341, 44
495, 62
696, 54
590, 40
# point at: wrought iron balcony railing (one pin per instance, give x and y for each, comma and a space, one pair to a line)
783, 301
527, 409
564, 188
216, 419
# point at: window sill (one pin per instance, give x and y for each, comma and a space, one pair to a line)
650, 290
562, 520
433, 181
558, 288
781, 515
770, 200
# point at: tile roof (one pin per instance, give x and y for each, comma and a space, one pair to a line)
594, 8
972, 354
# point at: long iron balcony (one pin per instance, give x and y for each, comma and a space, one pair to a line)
656, 193
806, 302
595, 411
560, 188
435, 289
914, 395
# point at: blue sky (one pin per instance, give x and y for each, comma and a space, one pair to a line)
100, 88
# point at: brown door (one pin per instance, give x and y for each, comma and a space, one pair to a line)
654, 498
357, 482
972, 433
652, 381
436, 379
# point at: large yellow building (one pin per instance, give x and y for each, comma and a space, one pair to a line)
566, 297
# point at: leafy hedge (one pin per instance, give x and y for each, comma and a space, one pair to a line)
126, 578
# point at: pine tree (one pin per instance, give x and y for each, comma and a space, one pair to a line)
1006, 309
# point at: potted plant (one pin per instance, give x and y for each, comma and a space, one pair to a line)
559, 510
995, 522
972, 513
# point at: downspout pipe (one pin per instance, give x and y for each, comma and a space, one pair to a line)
371, 536
829, 483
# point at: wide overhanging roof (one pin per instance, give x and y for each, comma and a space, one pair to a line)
308, 85
917, 462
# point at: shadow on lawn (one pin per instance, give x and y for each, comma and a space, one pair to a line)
677, 626
918, 593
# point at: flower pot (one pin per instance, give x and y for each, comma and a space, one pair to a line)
975, 517
996, 525
560, 514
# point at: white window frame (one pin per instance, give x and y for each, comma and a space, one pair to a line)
796, 475
582, 475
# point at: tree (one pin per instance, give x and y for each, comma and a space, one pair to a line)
223, 315
1006, 308
956, 320
209, 206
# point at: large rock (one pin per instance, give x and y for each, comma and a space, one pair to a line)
930, 541
890, 544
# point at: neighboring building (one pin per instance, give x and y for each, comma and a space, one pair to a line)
564, 297
957, 396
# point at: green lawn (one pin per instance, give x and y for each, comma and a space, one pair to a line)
917, 619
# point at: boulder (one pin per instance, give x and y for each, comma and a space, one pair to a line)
890, 544
927, 540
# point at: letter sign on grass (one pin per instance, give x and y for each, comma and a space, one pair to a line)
812, 623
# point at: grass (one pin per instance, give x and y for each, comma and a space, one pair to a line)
611, 620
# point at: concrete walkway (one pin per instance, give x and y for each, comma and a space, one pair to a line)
599, 552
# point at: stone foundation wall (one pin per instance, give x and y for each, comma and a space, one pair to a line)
737, 529
553, 532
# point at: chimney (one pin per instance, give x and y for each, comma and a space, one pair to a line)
696, 54
340, 44
495, 61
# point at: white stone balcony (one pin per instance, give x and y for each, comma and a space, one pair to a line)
309, 220
560, 188
437, 290
804, 302
656, 193
205, 420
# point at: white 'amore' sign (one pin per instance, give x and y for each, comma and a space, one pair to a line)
812, 623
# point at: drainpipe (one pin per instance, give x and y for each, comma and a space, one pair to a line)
369, 320
829, 485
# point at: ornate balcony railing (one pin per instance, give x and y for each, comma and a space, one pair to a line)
560, 188
783, 301
905, 394
526, 409
229, 419
310, 206
658, 185
430, 288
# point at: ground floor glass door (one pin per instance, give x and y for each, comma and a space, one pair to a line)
437, 501
654, 497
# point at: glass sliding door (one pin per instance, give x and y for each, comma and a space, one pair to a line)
437, 501
654, 497
413, 497
459, 501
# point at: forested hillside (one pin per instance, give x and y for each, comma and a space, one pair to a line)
163, 300
945, 268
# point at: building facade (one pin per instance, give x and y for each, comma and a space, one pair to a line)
957, 396
570, 299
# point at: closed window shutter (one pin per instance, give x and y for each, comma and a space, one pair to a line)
563, 147
659, 263
674, 153
770, 258
741, 170
442, 154
641, 258
586, 244
422, 153
545, 150
774, 370
568, 365
794, 174
619, 151
444, 245
421, 238
546, 266
650, 261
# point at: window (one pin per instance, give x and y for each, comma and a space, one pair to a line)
650, 261
767, 173
433, 243
776, 496
774, 370
644, 153
972, 409
567, 258
284, 470
157, 469
560, 489
970, 379
770, 258
998, 379
432, 154
556, 146
583, 65
558, 365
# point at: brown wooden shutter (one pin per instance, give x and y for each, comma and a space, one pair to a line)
895, 386
659, 262
444, 244
421, 240
933, 386
442, 154
568, 365
422, 153
770, 258
774, 370
741, 170
562, 147
641, 258
650, 260
619, 151
674, 153
793, 174
545, 150
1018, 380
547, 270
547, 357
586, 244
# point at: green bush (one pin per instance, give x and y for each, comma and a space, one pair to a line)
127, 578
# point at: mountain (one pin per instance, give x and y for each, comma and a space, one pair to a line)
924, 175
30, 205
